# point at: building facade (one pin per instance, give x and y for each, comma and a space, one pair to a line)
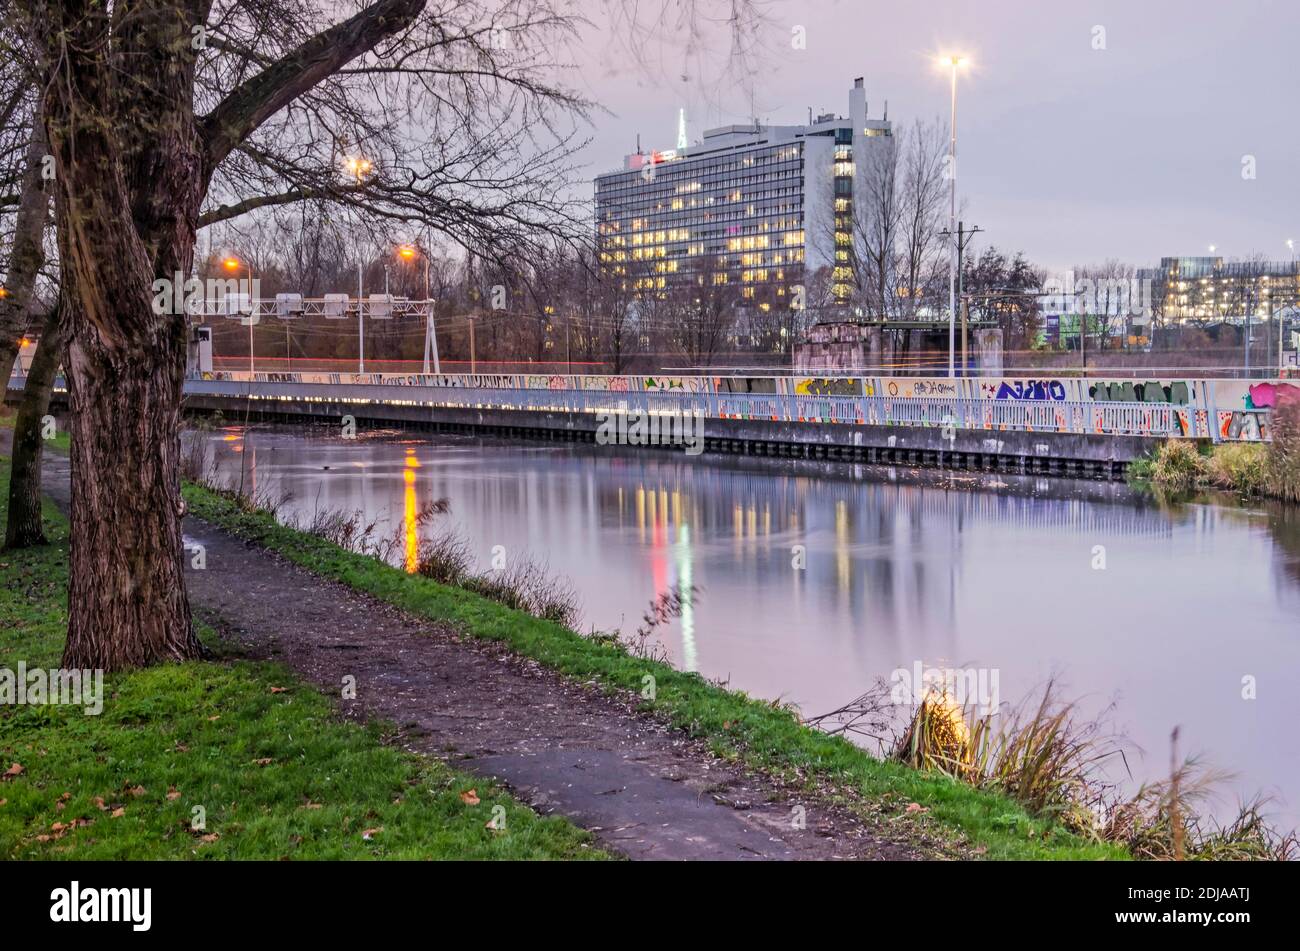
756, 210
1211, 290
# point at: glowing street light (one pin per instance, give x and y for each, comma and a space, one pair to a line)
409, 252
358, 167
233, 264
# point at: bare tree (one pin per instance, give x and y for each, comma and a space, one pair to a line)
152, 107
921, 209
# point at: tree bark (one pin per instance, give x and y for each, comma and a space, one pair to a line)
24, 528
27, 254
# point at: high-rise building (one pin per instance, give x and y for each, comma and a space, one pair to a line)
757, 209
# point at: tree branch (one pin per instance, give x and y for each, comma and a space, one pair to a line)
262, 96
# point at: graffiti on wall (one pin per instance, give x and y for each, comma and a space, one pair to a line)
1245, 425
1150, 391
1035, 390
921, 387
745, 384
1270, 395
833, 386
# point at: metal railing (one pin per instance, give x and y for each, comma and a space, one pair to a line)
1106, 418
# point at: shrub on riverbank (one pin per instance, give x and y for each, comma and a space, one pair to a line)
1249, 469
1282, 465
1054, 762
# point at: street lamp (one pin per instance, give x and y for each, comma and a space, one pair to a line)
409, 252
952, 62
233, 264
358, 166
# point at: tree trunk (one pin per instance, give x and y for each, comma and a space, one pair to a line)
27, 254
23, 528
126, 591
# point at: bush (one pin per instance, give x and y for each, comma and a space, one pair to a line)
1178, 465
1282, 458
1239, 467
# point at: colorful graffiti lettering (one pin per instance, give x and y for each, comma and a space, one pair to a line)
835, 386
1053, 390
1151, 391
1244, 425
661, 383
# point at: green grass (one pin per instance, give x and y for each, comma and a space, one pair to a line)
61, 440
736, 726
275, 771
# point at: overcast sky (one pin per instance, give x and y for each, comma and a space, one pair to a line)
1070, 153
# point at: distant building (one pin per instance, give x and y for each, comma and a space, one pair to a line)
757, 208
1210, 289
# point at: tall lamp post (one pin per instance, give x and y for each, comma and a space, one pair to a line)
408, 252
952, 62
233, 264
359, 167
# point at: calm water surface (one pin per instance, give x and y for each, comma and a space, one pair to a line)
900, 566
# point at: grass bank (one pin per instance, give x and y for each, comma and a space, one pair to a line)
760, 734
258, 756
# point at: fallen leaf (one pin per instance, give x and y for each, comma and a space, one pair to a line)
312, 805
99, 801
915, 807
136, 790
371, 832
117, 813
470, 797
216, 717
279, 689
493, 824
173, 793
15, 770
210, 837
4, 802
264, 761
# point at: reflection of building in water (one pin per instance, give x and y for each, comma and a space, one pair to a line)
883, 551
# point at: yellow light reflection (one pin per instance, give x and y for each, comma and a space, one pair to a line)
411, 528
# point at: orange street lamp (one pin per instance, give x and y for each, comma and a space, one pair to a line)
408, 252
233, 264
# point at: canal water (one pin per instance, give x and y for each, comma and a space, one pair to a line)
816, 579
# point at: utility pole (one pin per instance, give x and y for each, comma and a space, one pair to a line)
964, 239
473, 362
361, 322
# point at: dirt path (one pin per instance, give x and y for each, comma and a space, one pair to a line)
645, 790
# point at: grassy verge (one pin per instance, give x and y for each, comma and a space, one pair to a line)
274, 772
736, 726
61, 440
